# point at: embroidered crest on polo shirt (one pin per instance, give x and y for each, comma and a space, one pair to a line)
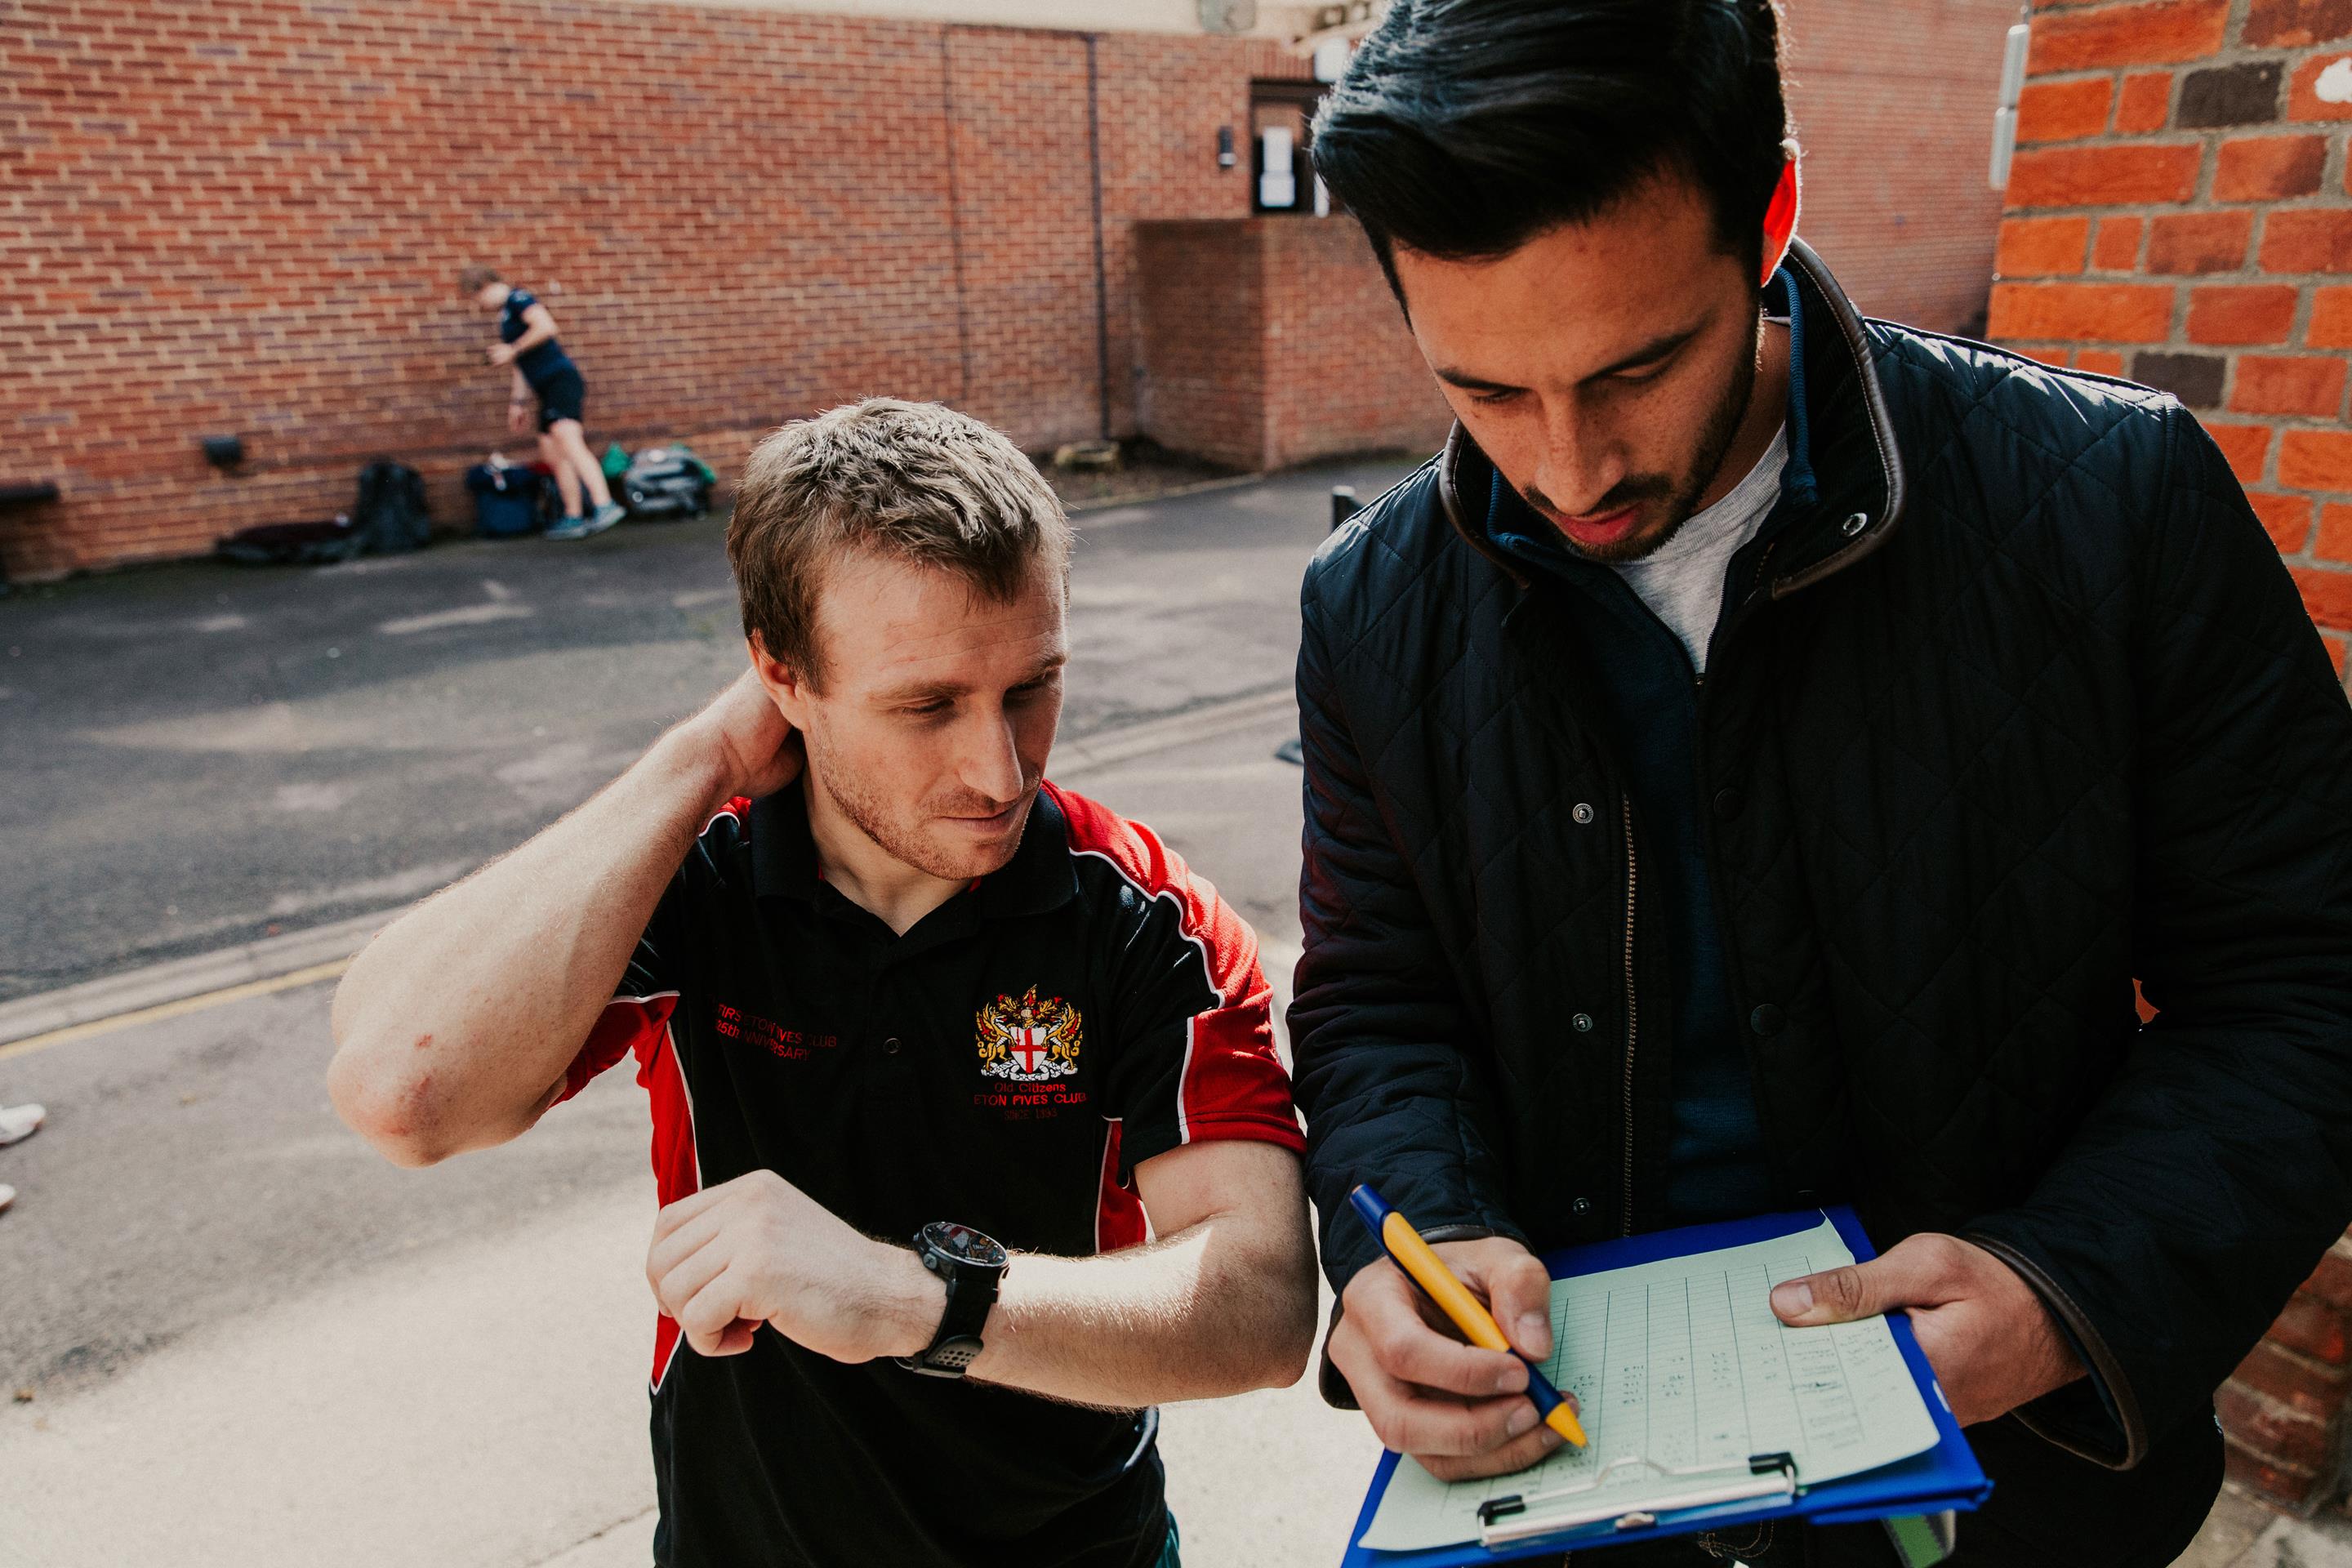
1028, 1041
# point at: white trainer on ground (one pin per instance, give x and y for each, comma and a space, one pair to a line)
7, 1196
18, 1122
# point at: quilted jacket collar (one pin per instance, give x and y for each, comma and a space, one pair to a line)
1857, 468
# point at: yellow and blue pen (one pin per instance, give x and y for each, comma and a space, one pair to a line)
1426, 1269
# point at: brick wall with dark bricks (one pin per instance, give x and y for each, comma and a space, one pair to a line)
2179, 212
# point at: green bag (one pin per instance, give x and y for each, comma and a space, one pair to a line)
685, 453
615, 462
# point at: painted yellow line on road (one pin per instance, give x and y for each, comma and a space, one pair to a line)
287, 982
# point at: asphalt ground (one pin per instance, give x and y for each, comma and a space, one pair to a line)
202, 755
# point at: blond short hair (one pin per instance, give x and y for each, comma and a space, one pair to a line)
908, 481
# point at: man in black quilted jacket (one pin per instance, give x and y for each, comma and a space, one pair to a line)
1750, 768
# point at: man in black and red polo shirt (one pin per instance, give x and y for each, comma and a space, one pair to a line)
902, 1008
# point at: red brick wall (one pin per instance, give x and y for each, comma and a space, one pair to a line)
1201, 329
1271, 342
2178, 214
2282, 1410
244, 219
1342, 373
1893, 105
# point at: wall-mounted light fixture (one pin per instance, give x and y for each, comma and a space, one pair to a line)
223, 452
1226, 156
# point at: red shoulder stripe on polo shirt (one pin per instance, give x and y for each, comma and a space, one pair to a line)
617, 1032
640, 1024
1231, 1084
1118, 1208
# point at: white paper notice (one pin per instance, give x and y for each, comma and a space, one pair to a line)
1681, 1361
1277, 183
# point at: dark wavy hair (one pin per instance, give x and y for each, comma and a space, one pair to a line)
1464, 128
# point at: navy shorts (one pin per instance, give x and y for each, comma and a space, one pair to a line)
560, 397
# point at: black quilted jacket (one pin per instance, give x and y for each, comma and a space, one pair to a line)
2025, 707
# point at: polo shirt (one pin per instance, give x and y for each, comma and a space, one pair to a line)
1006, 1064
542, 363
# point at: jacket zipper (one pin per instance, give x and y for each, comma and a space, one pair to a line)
1633, 886
1632, 1014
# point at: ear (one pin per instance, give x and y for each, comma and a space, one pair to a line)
1781, 220
788, 687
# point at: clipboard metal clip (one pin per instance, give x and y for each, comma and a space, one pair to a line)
1517, 1517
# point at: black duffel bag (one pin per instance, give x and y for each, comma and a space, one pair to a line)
388, 518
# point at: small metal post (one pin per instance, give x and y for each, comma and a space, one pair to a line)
1344, 505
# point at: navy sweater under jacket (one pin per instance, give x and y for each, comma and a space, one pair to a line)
1648, 699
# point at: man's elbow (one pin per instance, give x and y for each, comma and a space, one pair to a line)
392, 1112
410, 1153
1287, 1348
1274, 1353
1292, 1343
1283, 1282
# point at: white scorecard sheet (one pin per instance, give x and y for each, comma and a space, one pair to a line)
1681, 1362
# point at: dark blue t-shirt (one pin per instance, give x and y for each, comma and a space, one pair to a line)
1648, 701
539, 363
1648, 705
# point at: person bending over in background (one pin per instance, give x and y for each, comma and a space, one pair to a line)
888, 990
544, 373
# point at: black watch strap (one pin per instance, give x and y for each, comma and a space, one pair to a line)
971, 1291
958, 1343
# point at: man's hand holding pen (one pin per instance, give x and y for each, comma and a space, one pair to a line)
1459, 1410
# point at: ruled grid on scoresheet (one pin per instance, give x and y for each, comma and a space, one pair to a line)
1681, 1362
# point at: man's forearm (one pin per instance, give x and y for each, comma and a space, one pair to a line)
1221, 1308
453, 1025
1225, 1303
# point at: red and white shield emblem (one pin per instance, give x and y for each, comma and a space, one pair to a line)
1029, 1040
1028, 1046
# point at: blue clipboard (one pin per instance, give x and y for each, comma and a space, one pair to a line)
1946, 1477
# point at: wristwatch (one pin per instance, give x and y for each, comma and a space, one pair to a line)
971, 1265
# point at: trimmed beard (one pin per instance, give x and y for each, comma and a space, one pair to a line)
1716, 437
866, 814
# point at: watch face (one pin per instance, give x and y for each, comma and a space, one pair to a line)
964, 1244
